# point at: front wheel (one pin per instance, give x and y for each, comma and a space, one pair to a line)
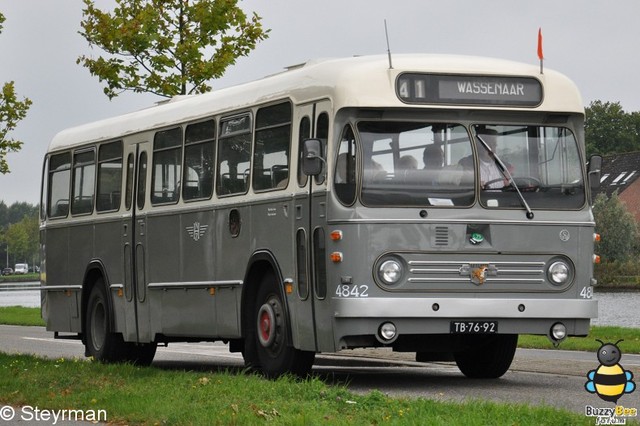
275, 354
488, 357
100, 342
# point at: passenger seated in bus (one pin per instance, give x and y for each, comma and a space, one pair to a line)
432, 157
407, 162
375, 172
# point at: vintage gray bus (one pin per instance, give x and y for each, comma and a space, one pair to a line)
440, 206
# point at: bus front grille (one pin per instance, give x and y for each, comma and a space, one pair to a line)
477, 274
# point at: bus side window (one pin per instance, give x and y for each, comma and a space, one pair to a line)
199, 160
167, 163
272, 145
234, 155
109, 177
59, 179
345, 173
84, 175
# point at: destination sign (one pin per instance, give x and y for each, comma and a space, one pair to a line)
469, 90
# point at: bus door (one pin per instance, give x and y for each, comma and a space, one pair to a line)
137, 314
313, 330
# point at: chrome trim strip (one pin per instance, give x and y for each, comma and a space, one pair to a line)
455, 221
195, 284
465, 279
474, 262
60, 287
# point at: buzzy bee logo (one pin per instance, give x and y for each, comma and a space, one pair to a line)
610, 381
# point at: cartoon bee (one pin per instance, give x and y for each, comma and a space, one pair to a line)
609, 381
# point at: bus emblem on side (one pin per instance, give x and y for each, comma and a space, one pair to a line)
196, 230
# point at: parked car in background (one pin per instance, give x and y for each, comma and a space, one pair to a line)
7, 271
21, 268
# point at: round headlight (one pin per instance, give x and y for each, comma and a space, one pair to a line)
559, 273
390, 271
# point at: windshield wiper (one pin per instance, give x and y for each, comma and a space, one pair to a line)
505, 172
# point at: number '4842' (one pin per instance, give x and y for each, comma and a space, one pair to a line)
346, 290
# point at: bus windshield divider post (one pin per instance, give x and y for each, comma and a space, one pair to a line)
507, 174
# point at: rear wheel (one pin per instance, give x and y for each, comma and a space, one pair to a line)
488, 357
274, 352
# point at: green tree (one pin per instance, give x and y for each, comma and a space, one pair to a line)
167, 47
22, 238
609, 129
12, 111
617, 227
19, 231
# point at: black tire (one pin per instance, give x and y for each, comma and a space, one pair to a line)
140, 353
488, 357
100, 342
269, 332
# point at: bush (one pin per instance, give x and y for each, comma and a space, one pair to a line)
618, 273
617, 227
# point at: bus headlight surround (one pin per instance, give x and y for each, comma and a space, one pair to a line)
390, 271
560, 272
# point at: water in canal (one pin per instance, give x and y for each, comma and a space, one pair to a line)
615, 308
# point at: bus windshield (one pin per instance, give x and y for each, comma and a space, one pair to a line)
441, 164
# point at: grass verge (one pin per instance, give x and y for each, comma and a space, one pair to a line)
19, 315
134, 395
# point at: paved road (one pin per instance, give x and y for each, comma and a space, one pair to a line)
551, 377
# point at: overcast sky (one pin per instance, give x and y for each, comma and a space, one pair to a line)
594, 42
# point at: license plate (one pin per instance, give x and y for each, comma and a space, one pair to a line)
474, 327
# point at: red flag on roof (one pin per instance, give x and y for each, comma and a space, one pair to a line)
540, 55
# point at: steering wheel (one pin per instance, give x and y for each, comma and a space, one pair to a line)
524, 183
487, 185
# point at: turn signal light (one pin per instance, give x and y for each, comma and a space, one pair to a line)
288, 286
596, 237
336, 257
336, 235
596, 259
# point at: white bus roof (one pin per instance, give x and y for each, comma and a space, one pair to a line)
365, 81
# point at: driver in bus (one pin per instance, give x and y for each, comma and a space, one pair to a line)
490, 175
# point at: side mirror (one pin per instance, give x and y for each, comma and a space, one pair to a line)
593, 172
312, 157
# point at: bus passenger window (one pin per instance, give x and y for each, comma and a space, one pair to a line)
271, 153
59, 179
345, 174
109, 177
199, 153
167, 163
234, 155
84, 169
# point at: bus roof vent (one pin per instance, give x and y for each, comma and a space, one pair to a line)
441, 236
